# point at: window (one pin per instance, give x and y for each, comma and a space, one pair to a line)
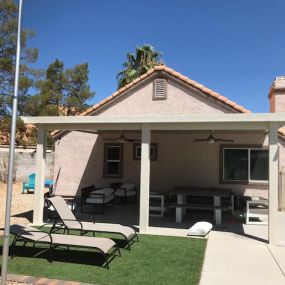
152, 151
113, 160
159, 88
245, 165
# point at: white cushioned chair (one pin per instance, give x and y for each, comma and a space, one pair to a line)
99, 197
127, 191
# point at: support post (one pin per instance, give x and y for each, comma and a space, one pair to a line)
145, 179
273, 184
40, 177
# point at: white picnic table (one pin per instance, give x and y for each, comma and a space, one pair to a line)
183, 192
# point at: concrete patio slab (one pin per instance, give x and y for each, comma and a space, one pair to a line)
233, 258
278, 253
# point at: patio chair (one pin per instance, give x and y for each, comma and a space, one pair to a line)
126, 192
25, 234
97, 197
69, 222
30, 185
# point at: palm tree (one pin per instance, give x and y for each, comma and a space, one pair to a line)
138, 63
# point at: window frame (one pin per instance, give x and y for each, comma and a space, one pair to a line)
249, 181
138, 145
120, 161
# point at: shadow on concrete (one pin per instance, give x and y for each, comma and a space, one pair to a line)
27, 215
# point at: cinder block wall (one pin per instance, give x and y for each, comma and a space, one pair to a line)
25, 162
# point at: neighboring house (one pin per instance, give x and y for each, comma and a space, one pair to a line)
84, 158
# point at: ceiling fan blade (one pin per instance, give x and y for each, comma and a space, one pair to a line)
200, 140
224, 140
133, 140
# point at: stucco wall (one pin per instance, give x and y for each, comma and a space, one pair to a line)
180, 100
79, 156
71, 161
180, 162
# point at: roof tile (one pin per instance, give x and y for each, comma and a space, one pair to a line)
159, 67
143, 76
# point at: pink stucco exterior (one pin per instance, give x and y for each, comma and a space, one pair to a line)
79, 156
181, 100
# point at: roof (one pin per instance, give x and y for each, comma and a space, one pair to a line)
171, 72
175, 74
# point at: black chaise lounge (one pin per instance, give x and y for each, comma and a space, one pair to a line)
105, 246
69, 222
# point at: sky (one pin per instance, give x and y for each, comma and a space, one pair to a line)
236, 48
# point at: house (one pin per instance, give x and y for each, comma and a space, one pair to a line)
164, 92
168, 112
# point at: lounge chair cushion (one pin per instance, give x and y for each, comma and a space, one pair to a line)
99, 200
127, 189
200, 229
106, 191
122, 193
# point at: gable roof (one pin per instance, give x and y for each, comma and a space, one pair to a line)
173, 73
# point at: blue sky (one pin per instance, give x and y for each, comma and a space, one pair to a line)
236, 48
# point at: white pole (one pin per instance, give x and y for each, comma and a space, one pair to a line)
5, 251
145, 177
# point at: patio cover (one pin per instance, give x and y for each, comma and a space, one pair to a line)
267, 122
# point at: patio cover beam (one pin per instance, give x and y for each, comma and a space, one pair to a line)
173, 122
150, 119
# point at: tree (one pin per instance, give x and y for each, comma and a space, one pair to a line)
8, 38
138, 63
61, 92
51, 90
78, 89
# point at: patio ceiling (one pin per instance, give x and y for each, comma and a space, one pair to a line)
166, 122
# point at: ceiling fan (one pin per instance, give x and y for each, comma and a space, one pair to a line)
121, 139
211, 139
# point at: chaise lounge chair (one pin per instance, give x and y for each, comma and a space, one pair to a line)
29, 234
69, 222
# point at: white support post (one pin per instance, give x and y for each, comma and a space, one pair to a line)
145, 179
273, 184
40, 177
217, 210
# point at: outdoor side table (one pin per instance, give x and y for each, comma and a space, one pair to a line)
259, 212
157, 204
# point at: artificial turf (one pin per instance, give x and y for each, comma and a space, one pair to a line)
152, 260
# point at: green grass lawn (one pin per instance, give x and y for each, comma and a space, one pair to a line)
153, 260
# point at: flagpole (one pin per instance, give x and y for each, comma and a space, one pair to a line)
5, 251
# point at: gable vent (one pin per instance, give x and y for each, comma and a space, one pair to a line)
159, 88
